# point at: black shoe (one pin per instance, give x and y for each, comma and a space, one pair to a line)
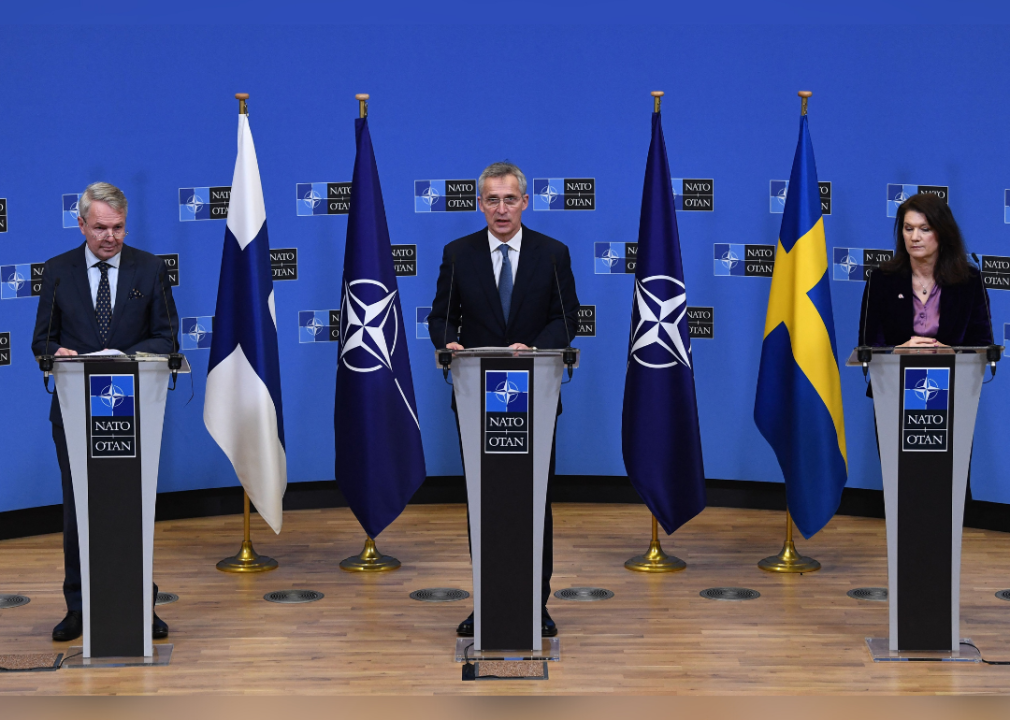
465, 628
159, 628
547, 626
70, 628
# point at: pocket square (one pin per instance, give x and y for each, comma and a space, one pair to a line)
135, 293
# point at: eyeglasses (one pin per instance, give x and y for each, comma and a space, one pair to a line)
118, 232
493, 202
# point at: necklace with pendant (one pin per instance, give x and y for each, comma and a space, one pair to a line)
925, 292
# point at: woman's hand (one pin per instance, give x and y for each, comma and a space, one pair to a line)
917, 341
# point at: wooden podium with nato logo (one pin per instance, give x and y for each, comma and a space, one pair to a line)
113, 411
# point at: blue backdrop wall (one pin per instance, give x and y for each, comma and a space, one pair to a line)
151, 109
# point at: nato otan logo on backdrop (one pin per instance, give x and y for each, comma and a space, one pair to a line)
506, 412
21, 281
318, 326
996, 272
197, 332
615, 258
284, 263
445, 195
564, 193
586, 322
3, 214
421, 323
204, 203
112, 428
924, 410
404, 260
779, 189
70, 201
691, 194
731, 259
5, 348
701, 322
171, 261
322, 198
1006, 206
897, 194
856, 263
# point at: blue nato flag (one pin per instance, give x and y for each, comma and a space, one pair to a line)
660, 434
798, 407
379, 459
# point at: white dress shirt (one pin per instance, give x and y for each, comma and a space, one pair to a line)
515, 244
95, 275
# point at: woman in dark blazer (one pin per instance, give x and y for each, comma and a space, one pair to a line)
927, 295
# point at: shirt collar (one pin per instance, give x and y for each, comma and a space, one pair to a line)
93, 259
515, 243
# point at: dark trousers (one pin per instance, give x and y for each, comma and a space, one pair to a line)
547, 562
71, 545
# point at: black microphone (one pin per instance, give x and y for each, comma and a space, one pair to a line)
46, 361
174, 358
863, 353
444, 355
992, 352
568, 356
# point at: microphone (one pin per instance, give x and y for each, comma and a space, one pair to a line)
863, 353
568, 356
991, 352
46, 361
174, 358
444, 355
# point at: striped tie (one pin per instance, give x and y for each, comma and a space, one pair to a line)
505, 281
103, 304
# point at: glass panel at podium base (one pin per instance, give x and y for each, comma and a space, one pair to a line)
879, 651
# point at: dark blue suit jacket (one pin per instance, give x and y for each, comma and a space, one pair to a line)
140, 319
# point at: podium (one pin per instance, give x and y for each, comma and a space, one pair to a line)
113, 411
506, 402
925, 401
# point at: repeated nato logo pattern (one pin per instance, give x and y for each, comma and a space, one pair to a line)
778, 191
197, 332
421, 322
926, 388
322, 198
691, 194
112, 395
445, 196
1006, 206
3, 215
5, 348
899, 193
614, 258
506, 391
854, 263
318, 326
204, 203
20, 281
70, 201
738, 260
564, 193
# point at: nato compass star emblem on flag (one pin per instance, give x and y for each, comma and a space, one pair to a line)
368, 326
660, 307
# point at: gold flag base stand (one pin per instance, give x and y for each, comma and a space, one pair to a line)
370, 560
247, 560
788, 560
655, 560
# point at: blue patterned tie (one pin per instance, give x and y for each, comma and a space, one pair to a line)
505, 281
103, 304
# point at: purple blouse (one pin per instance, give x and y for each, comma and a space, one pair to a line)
926, 320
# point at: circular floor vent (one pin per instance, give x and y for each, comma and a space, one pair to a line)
439, 595
877, 594
584, 594
1003, 594
730, 593
13, 601
293, 596
166, 598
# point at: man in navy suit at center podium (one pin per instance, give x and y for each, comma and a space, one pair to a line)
510, 287
109, 296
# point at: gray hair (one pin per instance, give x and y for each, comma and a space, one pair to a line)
101, 192
502, 169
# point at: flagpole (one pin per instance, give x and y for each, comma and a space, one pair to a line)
247, 560
370, 559
789, 560
655, 560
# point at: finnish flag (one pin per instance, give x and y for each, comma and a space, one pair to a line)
242, 409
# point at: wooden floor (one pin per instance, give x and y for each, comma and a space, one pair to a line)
802, 636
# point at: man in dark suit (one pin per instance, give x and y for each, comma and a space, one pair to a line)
509, 285
109, 296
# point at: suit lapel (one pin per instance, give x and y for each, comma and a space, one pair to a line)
80, 276
948, 304
485, 275
127, 270
907, 311
528, 257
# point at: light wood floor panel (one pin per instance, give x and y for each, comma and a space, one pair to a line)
802, 636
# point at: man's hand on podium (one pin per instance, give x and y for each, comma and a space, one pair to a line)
453, 346
518, 346
65, 352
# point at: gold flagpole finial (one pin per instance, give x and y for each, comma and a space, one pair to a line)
243, 109
658, 95
805, 94
362, 99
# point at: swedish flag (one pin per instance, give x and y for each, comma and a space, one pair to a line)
799, 398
